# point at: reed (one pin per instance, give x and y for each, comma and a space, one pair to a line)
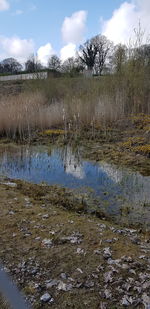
74, 104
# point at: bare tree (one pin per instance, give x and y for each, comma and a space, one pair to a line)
103, 48
33, 65
54, 63
88, 53
72, 66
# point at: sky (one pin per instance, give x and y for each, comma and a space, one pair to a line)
47, 27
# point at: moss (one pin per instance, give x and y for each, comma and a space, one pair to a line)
141, 121
144, 149
52, 132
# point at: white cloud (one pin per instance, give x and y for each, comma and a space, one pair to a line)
15, 47
68, 51
4, 5
44, 53
120, 27
73, 27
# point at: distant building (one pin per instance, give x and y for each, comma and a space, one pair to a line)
26, 76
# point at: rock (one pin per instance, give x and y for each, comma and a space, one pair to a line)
45, 298
118, 289
97, 252
80, 270
99, 268
131, 231
11, 184
38, 238
63, 276
138, 288
111, 240
11, 212
144, 277
52, 232
125, 266
103, 305
89, 284
108, 277
114, 262
45, 216
127, 259
146, 301
107, 253
146, 285
51, 283
107, 294
80, 251
127, 286
132, 271
75, 238
142, 257
47, 242
126, 300
64, 287
102, 226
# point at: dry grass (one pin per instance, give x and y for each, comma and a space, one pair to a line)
70, 104
23, 114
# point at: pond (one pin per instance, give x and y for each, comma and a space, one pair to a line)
120, 193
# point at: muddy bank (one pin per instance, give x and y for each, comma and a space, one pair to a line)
57, 254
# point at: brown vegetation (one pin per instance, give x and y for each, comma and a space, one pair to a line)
73, 104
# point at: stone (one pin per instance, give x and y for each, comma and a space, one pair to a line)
46, 216
80, 270
47, 242
108, 277
75, 238
146, 301
127, 259
97, 252
107, 253
107, 294
51, 283
38, 238
89, 284
45, 298
11, 212
126, 300
64, 287
63, 276
11, 184
80, 251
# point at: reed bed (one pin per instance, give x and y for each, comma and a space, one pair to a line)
72, 104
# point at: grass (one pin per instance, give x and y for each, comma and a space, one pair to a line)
19, 230
73, 104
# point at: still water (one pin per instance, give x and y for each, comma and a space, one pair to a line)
118, 192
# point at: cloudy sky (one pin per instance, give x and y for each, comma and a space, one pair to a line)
47, 27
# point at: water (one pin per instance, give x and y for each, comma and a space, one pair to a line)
118, 192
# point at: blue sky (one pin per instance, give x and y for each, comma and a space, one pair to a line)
46, 27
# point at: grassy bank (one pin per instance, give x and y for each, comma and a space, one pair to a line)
50, 246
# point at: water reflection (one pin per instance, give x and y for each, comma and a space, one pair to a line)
123, 194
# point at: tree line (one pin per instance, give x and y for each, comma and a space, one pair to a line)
96, 56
